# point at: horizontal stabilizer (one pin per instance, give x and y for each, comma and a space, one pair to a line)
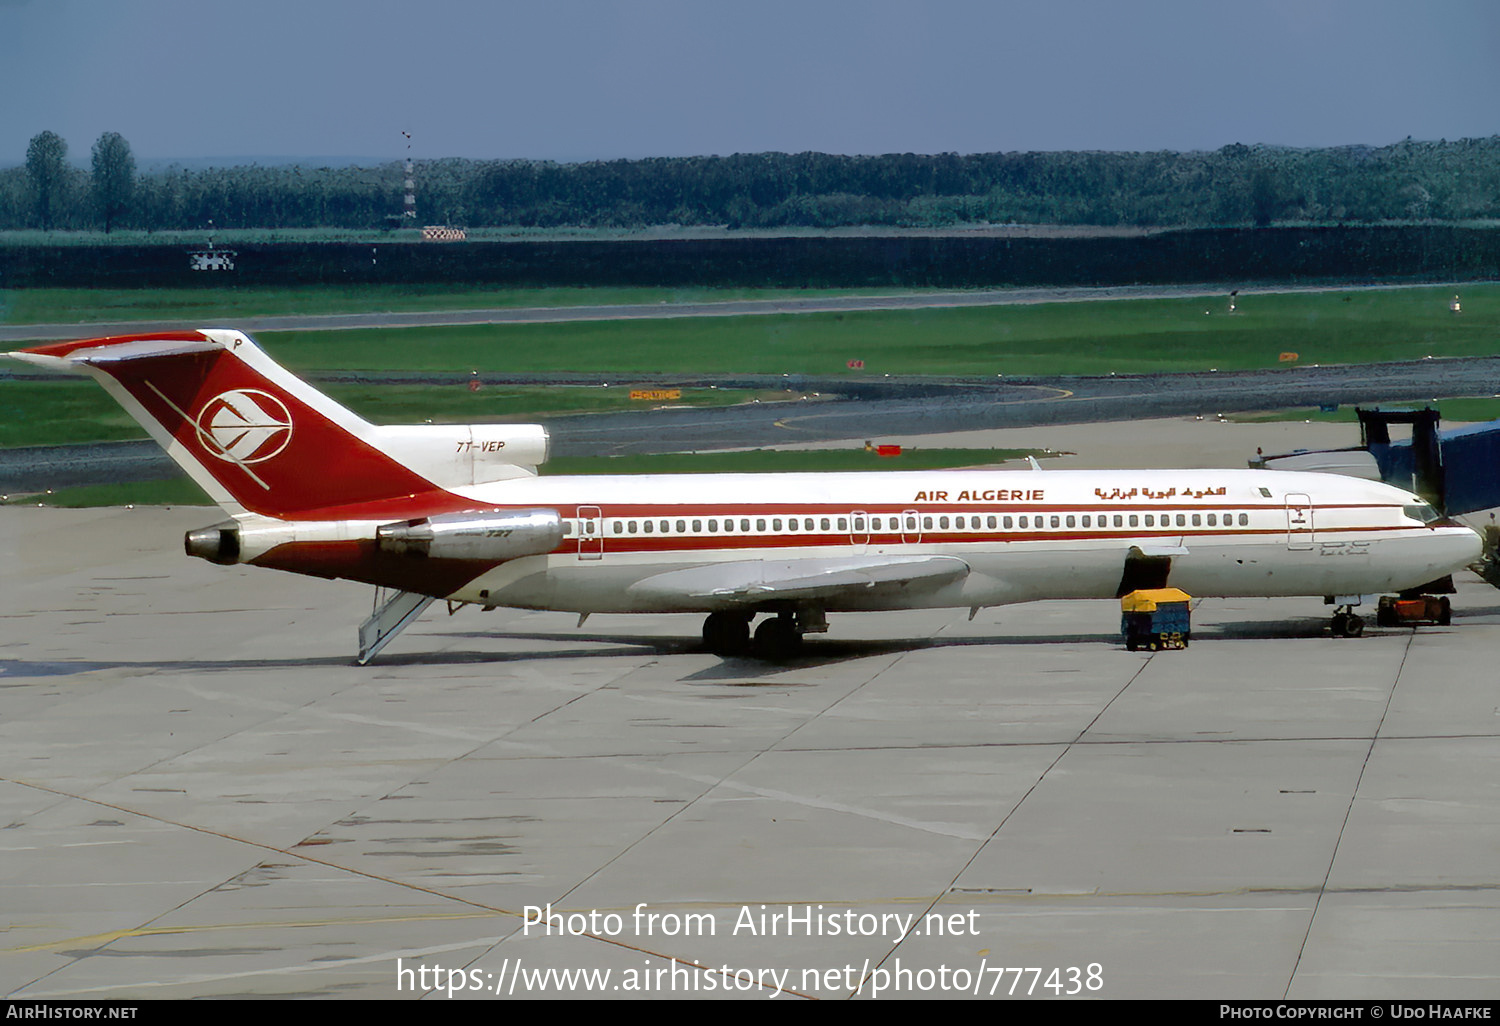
759, 581
142, 350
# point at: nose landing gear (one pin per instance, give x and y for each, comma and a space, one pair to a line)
1346, 623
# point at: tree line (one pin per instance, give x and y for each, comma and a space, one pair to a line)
1236, 185
56, 195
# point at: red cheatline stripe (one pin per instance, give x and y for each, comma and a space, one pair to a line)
623, 543
662, 510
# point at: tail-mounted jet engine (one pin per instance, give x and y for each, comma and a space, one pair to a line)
218, 544
493, 537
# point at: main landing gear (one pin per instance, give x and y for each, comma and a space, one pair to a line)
778, 638
727, 634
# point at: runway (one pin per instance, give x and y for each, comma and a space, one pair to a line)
202, 796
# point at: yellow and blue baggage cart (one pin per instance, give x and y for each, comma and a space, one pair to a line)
1156, 618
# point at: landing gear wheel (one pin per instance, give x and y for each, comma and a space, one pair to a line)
727, 634
1445, 612
1347, 625
777, 639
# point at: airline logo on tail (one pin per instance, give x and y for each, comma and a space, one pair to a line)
244, 426
213, 393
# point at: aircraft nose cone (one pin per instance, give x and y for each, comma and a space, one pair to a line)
1465, 544
1476, 545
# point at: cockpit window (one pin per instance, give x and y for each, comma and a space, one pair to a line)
1421, 511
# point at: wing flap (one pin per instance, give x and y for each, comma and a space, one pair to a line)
760, 581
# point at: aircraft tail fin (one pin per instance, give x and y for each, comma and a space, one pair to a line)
260, 440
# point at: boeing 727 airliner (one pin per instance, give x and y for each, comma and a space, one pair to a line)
459, 513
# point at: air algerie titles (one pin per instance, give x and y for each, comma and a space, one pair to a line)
987, 495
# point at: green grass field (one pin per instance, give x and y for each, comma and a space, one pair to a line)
221, 305
1099, 337
68, 412
181, 491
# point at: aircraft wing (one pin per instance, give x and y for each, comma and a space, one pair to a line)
754, 581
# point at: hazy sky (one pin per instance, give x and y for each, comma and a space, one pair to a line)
587, 79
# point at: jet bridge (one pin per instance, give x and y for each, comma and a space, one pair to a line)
1457, 470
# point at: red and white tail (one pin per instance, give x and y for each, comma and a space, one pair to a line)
254, 436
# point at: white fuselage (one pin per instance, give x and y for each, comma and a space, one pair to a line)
1024, 535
